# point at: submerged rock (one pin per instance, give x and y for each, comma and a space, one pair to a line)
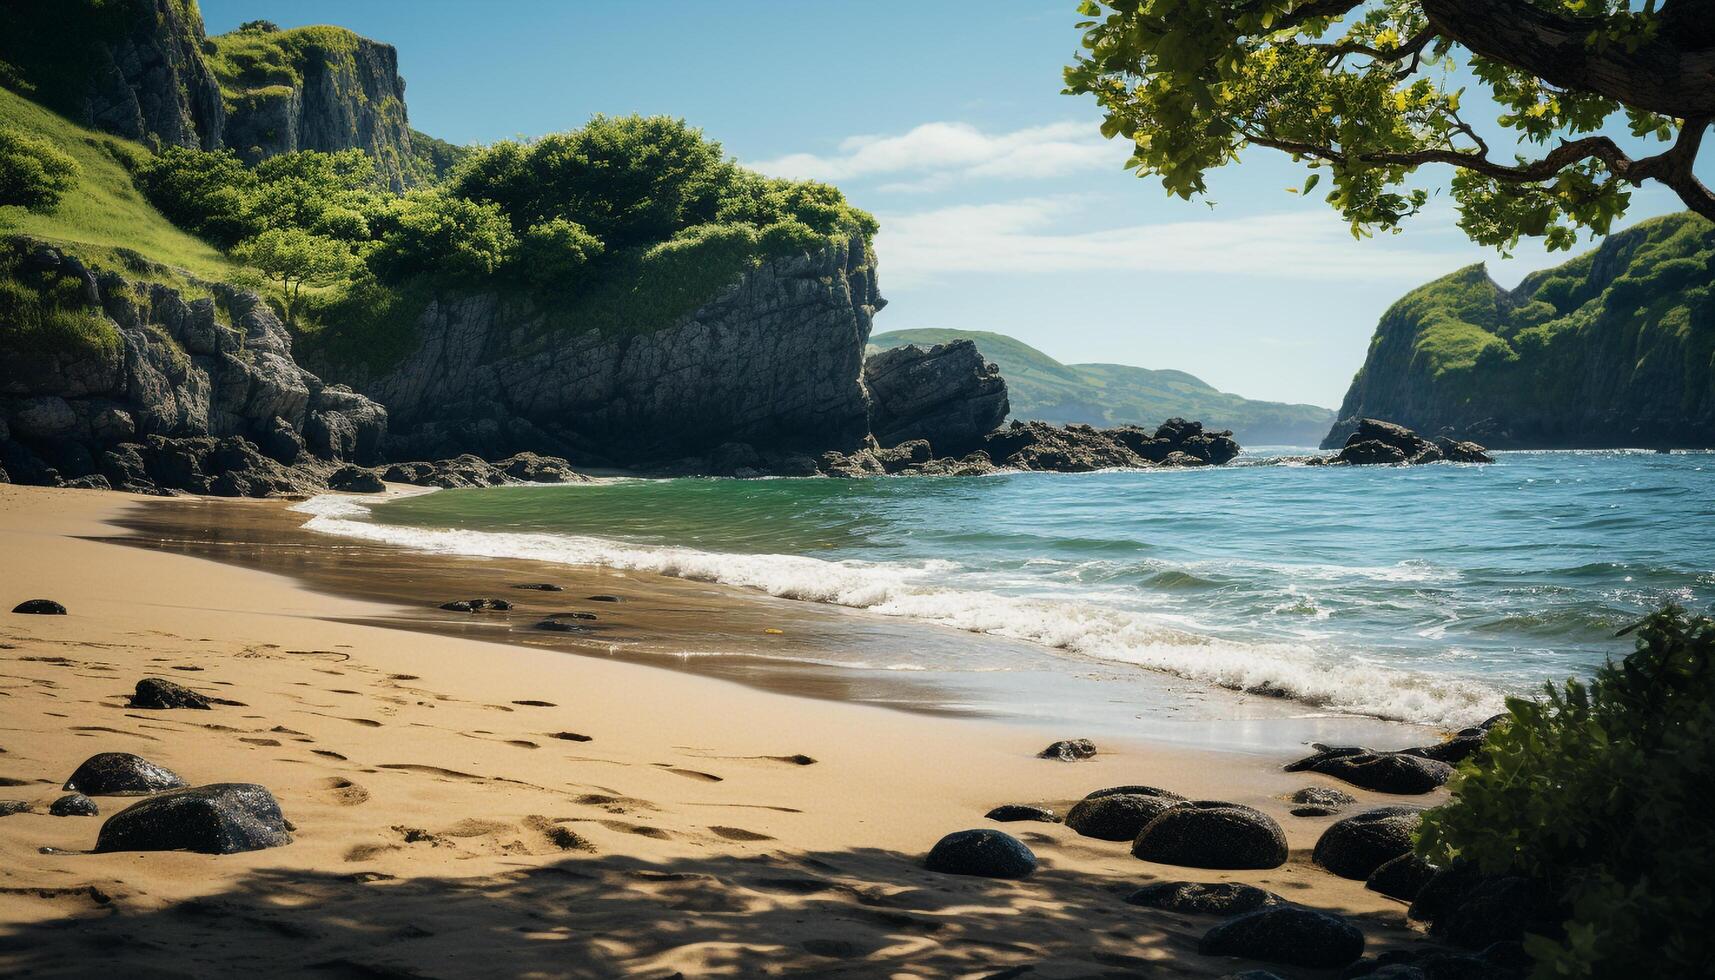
159, 693
221, 818
1358, 845
40, 607
1385, 772
122, 774
1212, 834
74, 805
983, 853
1117, 817
1200, 898
1287, 934
1069, 750
1014, 812
1375, 442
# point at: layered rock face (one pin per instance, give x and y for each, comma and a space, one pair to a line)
150, 79
181, 400
1611, 349
775, 361
948, 395
347, 95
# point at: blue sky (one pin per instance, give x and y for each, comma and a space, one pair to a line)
1001, 207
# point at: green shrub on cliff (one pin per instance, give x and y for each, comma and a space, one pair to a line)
48, 319
555, 252
1601, 792
34, 174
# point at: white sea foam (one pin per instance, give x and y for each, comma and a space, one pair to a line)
915, 591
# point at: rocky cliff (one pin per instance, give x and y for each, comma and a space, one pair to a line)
145, 70
313, 88
948, 395
1615, 348
775, 361
113, 380
132, 67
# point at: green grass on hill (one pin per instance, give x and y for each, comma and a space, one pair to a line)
104, 214
1041, 387
251, 63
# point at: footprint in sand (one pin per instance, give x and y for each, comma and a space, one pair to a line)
559, 836
739, 834
707, 777
329, 753
430, 770
344, 792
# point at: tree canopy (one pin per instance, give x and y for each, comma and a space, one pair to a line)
1368, 91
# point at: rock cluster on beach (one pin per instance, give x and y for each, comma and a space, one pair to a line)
1043, 447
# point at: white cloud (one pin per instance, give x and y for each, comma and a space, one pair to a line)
1022, 237
943, 152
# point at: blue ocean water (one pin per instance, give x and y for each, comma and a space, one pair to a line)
1418, 593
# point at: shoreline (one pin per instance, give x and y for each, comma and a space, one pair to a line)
426, 785
784, 645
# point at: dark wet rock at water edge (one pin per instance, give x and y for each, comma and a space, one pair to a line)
532, 468
540, 587
159, 693
74, 805
561, 626
1467, 743
1327, 797
1385, 772
1376, 442
458, 605
355, 479
1014, 812
1069, 750
1287, 934
948, 396
122, 774
1212, 834
1358, 845
40, 607
1119, 817
1200, 898
983, 853
604, 598
1402, 877
11, 807
476, 605
222, 818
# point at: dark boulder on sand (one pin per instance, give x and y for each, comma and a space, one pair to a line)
40, 607
1503, 961
10, 807
1287, 934
1402, 877
122, 774
1069, 750
1134, 790
74, 805
1467, 908
1200, 898
221, 818
1212, 834
1358, 845
1014, 812
1385, 772
160, 693
1466, 744
983, 853
1119, 816
355, 479
1327, 797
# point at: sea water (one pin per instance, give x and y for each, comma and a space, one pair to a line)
1422, 594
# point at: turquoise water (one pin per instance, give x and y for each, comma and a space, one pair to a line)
1423, 594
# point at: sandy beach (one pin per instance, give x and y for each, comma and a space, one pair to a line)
468, 807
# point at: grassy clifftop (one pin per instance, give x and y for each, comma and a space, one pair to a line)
1615, 347
105, 212
1041, 387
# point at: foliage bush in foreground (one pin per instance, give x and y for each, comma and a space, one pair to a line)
1605, 793
34, 173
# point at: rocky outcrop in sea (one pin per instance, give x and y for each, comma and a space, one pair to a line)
948, 395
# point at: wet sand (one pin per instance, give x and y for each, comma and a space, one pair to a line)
451, 820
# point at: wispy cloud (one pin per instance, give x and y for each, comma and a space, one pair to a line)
935, 154
1025, 237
